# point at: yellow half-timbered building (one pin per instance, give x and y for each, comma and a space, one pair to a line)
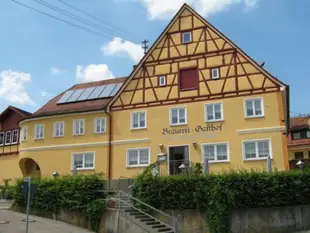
194, 95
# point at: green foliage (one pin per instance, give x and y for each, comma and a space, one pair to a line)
216, 195
6, 189
76, 193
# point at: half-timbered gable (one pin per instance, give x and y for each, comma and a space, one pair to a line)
192, 61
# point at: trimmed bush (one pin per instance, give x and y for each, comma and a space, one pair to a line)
76, 193
216, 195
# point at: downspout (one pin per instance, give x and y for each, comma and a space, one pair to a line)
110, 148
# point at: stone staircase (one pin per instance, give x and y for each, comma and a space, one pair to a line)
143, 215
5, 204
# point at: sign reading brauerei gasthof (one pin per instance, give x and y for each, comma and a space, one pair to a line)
197, 129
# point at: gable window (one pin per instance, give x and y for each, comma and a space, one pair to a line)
138, 120
83, 161
256, 149
299, 155
214, 112
186, 37
1, 138
138, 157
215, 73
8, 136
78, 127
100, 125
59, 129
178, 116
188, 79
15, 136
216, 152
39, 131
253, 108
24, 133
162, 81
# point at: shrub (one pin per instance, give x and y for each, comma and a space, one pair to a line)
216, 195
77, 193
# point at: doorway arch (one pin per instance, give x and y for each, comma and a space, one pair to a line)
29, 167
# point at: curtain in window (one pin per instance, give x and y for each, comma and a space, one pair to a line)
142, 119
210, 112
221, 152
217, 110
209, 152
258, 109
263, 149
144, 156
78, 161
135, 120
181, 115
174, 114
250, 150
249, 108
133, 157
89, 160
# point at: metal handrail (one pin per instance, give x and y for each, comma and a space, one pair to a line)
147, 205
173, 228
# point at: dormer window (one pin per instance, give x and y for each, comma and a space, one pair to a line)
186, 37
302, 134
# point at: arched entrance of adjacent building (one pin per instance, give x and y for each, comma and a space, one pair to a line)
29, 167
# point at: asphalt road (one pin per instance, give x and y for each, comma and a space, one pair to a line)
41, 225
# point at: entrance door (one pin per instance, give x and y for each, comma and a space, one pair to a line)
178, 155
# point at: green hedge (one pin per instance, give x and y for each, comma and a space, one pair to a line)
77, 193
216, 195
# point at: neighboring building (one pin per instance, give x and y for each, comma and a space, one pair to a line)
299, 140
195, 94
9, 142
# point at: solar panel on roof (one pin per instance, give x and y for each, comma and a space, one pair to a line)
115, 90
75, 95
95, 94
107, 91
65, 97
86, 93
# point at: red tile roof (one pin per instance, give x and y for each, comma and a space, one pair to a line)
298, 123
52, 108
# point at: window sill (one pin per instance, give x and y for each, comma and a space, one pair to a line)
180, 124
59, 136
142, 128
213, 121
78, 134
253, 117
99, 132
138, 166
219, 161
255, 159
38, 139
189, 89
84, 169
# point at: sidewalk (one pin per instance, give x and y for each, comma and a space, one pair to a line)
41, 225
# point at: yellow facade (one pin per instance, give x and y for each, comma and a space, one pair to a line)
240, 79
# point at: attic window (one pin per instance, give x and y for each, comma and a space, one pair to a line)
186, 37
215, 73
162, 81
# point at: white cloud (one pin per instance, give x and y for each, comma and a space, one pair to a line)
46, 94
93, 72
55, 71
12, 87
120, 47
163, 9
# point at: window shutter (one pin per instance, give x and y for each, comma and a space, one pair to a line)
188, 79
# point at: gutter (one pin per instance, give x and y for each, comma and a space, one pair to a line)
110, 146
288, 119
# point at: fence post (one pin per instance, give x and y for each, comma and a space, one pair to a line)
206, 166
269, 165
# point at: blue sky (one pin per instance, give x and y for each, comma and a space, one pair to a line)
41, 57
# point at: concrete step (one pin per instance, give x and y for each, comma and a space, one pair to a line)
142, 216
167, 229
152, 223
159, 226
147, 220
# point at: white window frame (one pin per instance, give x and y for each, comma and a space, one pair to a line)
14, 142
83, 153
35, 131
23, 134
74, 132
6, 137
218, 73
191, 39
212, 104
261, 105
256, 149
3, 135
131, 120
170, 116
164, 82
104, 125
55, 129
138, 149
215, 151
